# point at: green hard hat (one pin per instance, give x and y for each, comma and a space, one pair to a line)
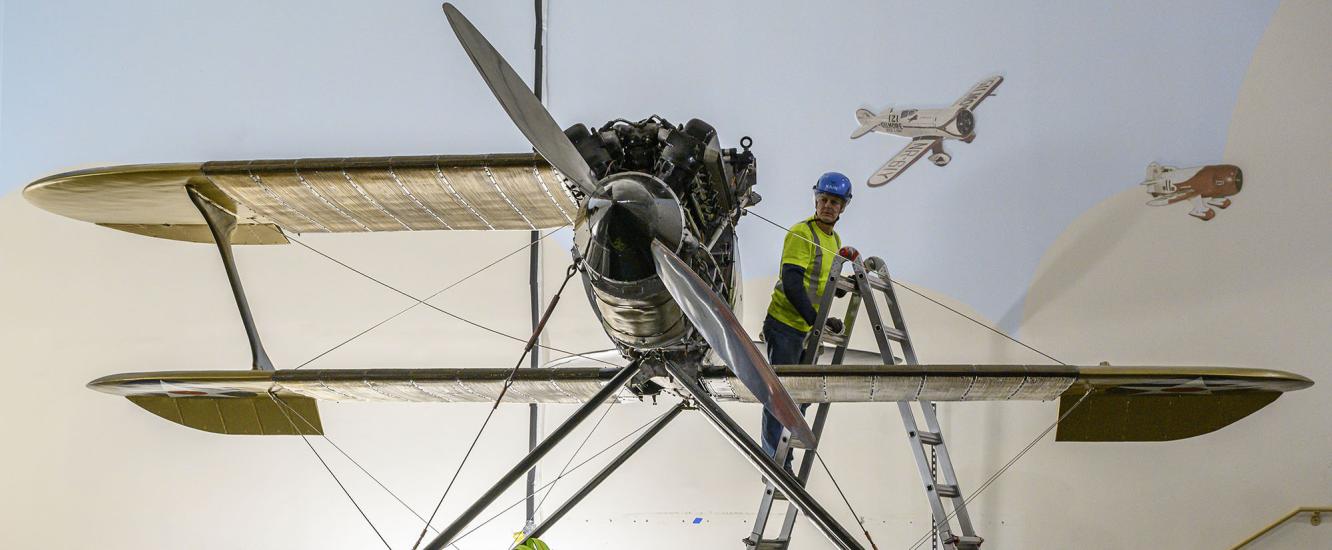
532, 544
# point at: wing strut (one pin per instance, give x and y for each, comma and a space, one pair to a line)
221, 222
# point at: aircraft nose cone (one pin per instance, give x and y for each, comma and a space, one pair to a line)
625, 215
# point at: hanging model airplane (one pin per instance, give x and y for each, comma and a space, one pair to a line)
927, 128
1207, 186
655, 208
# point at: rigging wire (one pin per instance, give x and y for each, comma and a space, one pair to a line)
531, 343
330, 471
441, 310
586, 438
916, 292
358, 464
594, 456
838, 486
1010, 463
432, 296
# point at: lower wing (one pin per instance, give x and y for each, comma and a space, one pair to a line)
1121, 403
902, 160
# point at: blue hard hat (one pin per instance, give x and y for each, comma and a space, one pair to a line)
834, 183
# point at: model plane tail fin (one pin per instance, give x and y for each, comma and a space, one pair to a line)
865, 118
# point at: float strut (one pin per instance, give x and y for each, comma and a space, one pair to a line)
221, 222
445, 537
794, 492
605, 472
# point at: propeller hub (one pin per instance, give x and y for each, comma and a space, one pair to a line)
623, 216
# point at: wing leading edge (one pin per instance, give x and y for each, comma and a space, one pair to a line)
472, 192
1122, 404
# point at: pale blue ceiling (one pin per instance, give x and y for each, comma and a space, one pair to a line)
1093, 93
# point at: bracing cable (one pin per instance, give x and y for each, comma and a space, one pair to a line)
838, 486
573, 456
531, 343
594, 456
330, 472
357, 464
439, 309
432, 296
1008, 465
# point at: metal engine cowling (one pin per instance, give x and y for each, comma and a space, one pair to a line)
613, 238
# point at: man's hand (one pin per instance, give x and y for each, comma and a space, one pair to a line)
834, 325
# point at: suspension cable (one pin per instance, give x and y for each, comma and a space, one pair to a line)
914, 291
330, 471
1010, 464
531, 343
432, 296
358, 464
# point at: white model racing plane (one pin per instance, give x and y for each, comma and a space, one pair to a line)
927, 128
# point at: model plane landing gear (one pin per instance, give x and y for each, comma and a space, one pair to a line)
1219, 203
941, 158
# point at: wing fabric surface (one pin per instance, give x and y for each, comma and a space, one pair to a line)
1120, 403
978, 93
902, 160
474, 192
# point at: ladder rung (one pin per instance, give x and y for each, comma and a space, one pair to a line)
831, 338
894, 334
770, 544
847, 285
931, 438
947, 491
777, 494
965, 542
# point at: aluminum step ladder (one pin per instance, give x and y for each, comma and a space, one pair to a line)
928, 447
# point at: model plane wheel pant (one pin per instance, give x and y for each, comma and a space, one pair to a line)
520, 469
766, 466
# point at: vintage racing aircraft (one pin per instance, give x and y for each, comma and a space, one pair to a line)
927, 128
655, 208
1207, 186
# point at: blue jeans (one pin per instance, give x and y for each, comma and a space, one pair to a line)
784, 348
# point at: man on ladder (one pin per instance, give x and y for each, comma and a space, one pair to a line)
806, 263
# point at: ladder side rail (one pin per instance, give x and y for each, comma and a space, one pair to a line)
904, 407
945, 462
839, 353
946, 468
810, 355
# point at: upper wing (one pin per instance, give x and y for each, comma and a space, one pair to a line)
1121, 404
978, 93
902, 160
513, 191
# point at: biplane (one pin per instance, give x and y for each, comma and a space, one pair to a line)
655, 207
927, 128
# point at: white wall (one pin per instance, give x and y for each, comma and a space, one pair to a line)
80, 302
